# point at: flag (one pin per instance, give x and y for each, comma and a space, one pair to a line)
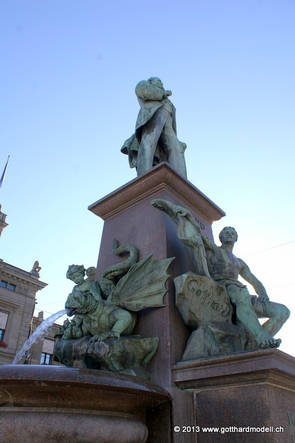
3, 173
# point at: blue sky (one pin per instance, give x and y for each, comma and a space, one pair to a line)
67, 103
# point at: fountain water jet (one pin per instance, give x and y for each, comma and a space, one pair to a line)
37, 335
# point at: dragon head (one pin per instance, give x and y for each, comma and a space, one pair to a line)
80, 303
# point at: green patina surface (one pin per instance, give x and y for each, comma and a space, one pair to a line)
155, 138
104, 313
217, 267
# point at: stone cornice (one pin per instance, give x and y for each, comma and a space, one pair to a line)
263, 365
158, 178
20, 277
8, 304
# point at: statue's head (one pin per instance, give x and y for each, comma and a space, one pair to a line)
76, 273
156, 82
90, 272
228, 235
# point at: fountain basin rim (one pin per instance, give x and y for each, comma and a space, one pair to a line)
77, 376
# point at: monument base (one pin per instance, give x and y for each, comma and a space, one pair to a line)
253, 389
130, 218
242, 397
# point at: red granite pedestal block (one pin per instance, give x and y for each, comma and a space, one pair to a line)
242, 390
247, 397
129, 217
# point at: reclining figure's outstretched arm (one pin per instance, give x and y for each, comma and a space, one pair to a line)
188, 231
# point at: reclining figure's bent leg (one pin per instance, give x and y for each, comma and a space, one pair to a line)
276, 312
241, 299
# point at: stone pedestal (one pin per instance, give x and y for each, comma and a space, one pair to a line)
253, 389
249, 390
129, 217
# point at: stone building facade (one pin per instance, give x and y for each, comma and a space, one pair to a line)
18, 290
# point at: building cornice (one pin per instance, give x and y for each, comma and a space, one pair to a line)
9, 304
21, 277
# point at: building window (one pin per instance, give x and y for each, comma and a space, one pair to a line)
47, 352
46, 359
9, 286
3, 323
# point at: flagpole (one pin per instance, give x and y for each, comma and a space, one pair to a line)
3, 173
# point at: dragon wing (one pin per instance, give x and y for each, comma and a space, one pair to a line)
143, 286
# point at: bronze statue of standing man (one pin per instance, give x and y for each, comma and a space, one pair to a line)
155, 138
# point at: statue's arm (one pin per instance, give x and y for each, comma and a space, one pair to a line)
95, 290
192, 219
250, 278
207, 243
179, 214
